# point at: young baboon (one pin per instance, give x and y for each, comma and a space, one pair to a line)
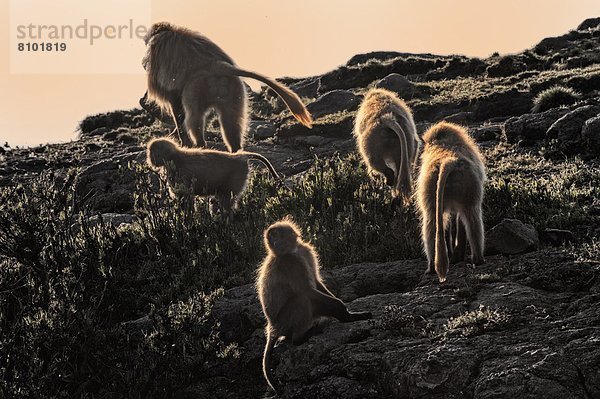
387, 139
204, 172
291, 291
188, 74
450, 186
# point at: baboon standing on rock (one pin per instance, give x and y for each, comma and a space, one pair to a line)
450, 183
291, 290
387, 139
188, 74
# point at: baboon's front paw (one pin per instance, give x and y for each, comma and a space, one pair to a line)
430, 270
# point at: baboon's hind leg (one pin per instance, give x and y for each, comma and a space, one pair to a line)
473, 223
458, 254
325, 305
428, 237
194, 125
178, 116
232, 118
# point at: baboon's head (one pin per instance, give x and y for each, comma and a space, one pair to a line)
157, 28
444, 133
282, 237
159, 151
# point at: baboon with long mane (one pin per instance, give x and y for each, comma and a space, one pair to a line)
188, 74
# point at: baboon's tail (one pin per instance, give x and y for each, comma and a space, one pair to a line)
290, 98
403, 180
267, 359
257, 157
441, 252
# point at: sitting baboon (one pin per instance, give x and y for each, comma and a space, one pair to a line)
291, 290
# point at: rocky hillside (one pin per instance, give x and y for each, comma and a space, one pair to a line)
105, 293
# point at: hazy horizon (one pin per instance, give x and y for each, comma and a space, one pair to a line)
285, 39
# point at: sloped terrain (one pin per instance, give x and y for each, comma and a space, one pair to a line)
109, 288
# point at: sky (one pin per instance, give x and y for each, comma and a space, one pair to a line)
274, 37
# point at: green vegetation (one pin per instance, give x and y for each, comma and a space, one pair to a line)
554, 97
71, 289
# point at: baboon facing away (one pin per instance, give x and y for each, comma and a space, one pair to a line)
450, 185
204, 172
291, 290
387, 139
188, 74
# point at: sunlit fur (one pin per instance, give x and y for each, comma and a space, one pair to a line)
188, 74
450, 183
387, 139
291, 291
204, 172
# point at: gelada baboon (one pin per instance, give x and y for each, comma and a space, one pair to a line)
450, 184
291, 291
188, 74
204, 172
387, 139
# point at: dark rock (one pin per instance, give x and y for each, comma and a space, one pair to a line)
363, 75
108, 185
261, 130
509, 103
458, 66
338, 126
590, 135
511, 236
589, 23
332, 102
398, 84
98, 132
506, 66
92, 147
486, 132
239, 313
127, 138
551, 44
460, 117
134, 118
557, 237
511, 350
529, 128
564, 137
307, 88
111, 135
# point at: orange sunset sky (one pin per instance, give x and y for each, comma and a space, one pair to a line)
284, 38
